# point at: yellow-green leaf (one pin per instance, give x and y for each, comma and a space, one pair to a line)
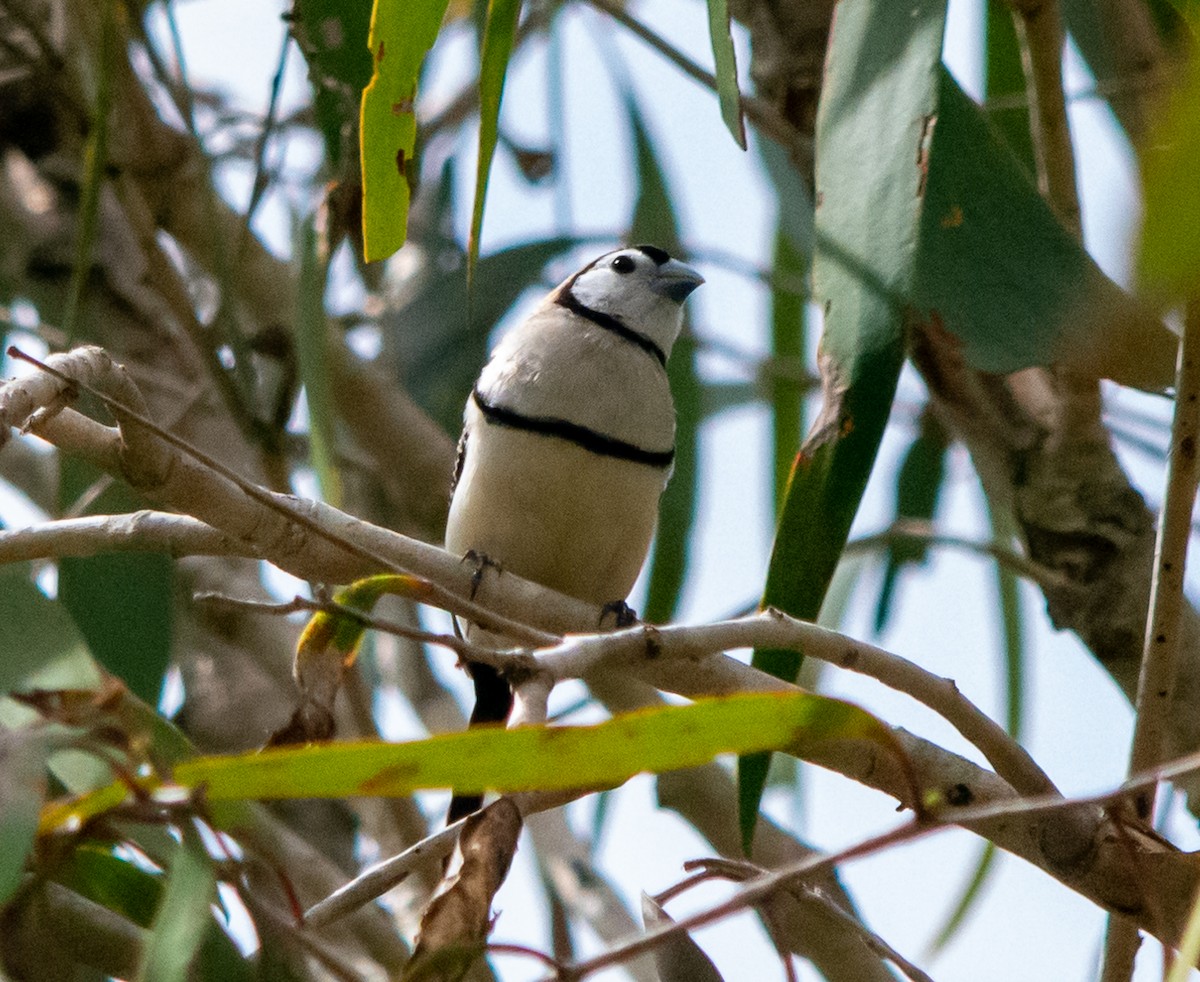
546, 758
328, 629
402, 32
1170, 258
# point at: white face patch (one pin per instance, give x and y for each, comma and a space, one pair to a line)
641, 288
619, 284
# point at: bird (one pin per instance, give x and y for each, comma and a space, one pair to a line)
568, 442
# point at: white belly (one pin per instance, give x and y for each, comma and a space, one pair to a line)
554, 513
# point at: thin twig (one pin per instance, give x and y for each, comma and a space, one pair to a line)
913, 531
761, 113
460, 646
376, 880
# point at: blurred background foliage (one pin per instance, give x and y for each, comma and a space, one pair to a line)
209, 232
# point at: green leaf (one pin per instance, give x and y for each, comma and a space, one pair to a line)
402, 32
794, 245
500, 29
41, 645
677, 507
442, 338
873, 130
122, 602
183, 915
333, 37
725, 61
92, 871
658, 739
789, 333
678, 958
654, 221
998, 271
23, 756
312, 349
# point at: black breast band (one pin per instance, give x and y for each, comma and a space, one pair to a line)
581, 436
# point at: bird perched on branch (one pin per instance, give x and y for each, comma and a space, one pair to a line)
568, 441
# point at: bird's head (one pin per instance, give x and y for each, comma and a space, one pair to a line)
641, 286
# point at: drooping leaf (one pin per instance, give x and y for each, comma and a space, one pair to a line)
654, 221
725, 60
183, 914
789, 331
499, 31
442, 338
679, 958
312, 350
880, 93
401, 34
999, 273
794, 244
655, 740
99, 874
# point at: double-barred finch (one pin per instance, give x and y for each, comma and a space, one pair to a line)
568, 441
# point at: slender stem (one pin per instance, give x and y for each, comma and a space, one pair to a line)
922, 532
761, 113
378, 879
1040, 33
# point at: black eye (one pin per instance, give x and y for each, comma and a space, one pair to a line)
623, 264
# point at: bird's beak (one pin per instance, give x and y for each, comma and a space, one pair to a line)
675, 280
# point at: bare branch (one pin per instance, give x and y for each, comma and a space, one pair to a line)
139, 531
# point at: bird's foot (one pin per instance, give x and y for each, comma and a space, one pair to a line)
621, 613
480, 562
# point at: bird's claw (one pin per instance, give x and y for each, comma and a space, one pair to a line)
480, 562
623, 615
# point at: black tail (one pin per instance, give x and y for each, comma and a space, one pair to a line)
493, 703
